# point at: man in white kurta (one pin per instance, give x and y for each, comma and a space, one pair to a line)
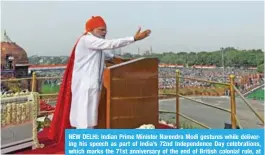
88, 71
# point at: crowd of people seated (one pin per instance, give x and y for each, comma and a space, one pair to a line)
245, 79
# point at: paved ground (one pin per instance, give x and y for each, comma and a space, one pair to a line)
211, 117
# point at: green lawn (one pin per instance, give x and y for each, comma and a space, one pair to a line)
49, 89
258, 94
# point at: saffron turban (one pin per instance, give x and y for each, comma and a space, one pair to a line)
95, 22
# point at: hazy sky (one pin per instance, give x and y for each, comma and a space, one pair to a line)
52, 28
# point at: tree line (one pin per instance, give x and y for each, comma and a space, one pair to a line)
227, 57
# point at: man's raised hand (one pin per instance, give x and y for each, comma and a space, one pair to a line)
141, 35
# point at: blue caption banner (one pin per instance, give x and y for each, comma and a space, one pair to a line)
164, 142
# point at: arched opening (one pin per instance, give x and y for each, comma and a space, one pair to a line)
9, 62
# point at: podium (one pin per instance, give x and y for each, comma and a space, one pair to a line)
129, 96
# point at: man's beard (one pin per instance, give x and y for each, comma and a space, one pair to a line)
103, 37
99, 36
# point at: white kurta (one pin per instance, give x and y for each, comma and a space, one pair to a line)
87, 77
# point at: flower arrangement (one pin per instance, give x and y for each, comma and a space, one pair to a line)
146, 126
15, 113
35, 122
167, 124
44, 106
151, 126
17, 109
43, 122
23, 93
46, 110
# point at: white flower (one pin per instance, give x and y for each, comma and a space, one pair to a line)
168, 124
146, 126
172, 125
41, 129
163, 122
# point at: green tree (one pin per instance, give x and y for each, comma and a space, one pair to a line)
260, 68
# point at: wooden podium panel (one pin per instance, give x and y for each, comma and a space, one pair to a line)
130, 94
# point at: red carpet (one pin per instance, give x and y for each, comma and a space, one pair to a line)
50, 148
